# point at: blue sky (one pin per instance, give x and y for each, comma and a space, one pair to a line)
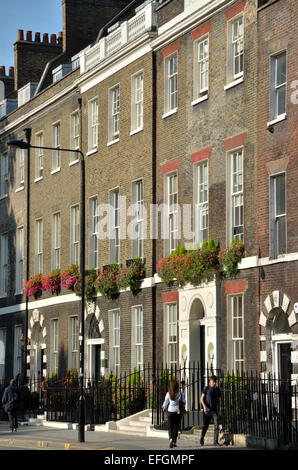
44, 16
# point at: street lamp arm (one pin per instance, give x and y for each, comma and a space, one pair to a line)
25, 145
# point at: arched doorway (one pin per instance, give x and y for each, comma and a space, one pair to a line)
282, 342
197, 333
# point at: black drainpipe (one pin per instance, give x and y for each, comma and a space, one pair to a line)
154, 241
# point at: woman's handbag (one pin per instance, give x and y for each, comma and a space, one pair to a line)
181, 408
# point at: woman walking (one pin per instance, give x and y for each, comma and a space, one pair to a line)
174, 403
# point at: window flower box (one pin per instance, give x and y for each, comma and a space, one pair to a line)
70, 277
52, 282
34, 286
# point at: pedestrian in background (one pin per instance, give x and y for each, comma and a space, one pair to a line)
10, 400
209, 399
174, 404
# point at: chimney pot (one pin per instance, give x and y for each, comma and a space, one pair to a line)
60, 37
20, 35
53, 39
2, 70
11, 71
45, 37
29, 35
37, 37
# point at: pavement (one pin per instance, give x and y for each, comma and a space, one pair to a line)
45, 438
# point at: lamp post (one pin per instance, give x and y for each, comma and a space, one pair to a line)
26, 145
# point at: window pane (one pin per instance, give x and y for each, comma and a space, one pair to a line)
281, 69
280, 195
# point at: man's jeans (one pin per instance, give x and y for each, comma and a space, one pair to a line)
206, 421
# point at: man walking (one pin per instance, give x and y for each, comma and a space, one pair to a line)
10, 401
209, 399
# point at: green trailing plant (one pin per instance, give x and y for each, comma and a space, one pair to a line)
107, 281
90, 286
231, 256
132, 275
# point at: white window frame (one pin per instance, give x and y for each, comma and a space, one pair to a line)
74, 331
39, 245
39, 156
201, 198
172, 214
20, 169
3, 335
56, 240
114, 114
115, 224
115, 341
236, 335
199, 90
93, 125
75, 234
137, 102
276, 218
74, 136
168, 341
235, 199
4, 275
171, 85
56, 143
232, 74
20, 232
18, 355
275, 88
3, 175
54, 345
137, 340
93, 232
138, 204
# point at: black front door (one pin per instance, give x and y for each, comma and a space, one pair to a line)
285, 365
97, 361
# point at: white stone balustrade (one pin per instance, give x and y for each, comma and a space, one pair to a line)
144, 20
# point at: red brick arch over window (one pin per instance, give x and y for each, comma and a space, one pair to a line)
235, 10
235, 287
201, 30
171, 48
234, 142
168, 297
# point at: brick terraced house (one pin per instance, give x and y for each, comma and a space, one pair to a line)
185, 102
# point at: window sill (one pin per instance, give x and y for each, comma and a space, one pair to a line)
74, 162
280, 118
55, 171
136, 131
38, 179
169, 113
4, 197
20, 189
234, 83
113, 142
91, 152
199, 100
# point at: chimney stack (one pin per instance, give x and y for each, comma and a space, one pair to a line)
20, 35
11, 71
31, 57
2, 70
